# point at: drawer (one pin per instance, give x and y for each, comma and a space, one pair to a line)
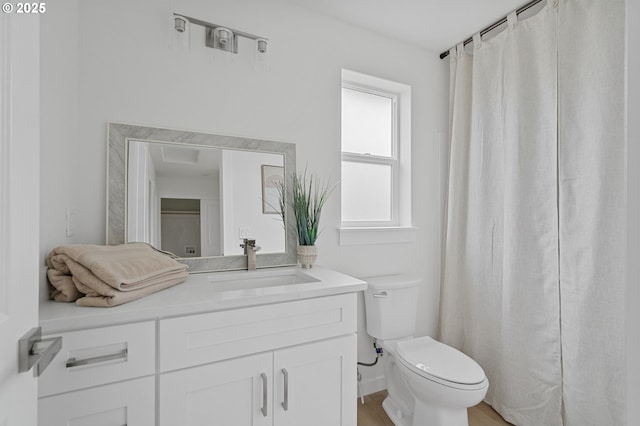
100, 355
130, 403
200, 339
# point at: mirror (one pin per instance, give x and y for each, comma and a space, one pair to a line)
201, 201
197, 195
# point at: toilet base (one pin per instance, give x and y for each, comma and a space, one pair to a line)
395, 413
426, 414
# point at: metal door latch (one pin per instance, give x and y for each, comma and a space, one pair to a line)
33, 351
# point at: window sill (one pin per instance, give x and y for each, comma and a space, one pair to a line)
377, 235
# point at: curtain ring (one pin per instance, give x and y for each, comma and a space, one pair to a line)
477, 40
512, 19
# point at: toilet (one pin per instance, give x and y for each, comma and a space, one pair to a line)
428, 382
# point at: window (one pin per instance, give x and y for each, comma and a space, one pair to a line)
369, 156
376, 159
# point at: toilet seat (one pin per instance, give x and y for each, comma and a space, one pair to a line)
440, 363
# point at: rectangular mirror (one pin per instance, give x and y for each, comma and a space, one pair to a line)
198, 195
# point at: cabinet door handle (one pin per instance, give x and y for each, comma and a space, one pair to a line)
264, 394
285, 403
381, 294
72, 362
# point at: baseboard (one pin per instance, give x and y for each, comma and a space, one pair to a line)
372, 385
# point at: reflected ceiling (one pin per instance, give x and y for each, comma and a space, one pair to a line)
169, 161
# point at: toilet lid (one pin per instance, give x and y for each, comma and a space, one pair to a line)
430, 358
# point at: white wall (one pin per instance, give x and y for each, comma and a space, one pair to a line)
633, 182
242, 202
112, 60
59, 121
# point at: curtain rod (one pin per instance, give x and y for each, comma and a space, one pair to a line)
495, 25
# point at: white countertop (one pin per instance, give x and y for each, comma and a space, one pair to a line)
206, 292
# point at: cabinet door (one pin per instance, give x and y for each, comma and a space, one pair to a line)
128, 403
236, 392
315, 383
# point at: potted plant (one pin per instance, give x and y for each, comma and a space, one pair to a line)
307, 199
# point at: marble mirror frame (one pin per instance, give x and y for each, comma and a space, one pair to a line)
118, 137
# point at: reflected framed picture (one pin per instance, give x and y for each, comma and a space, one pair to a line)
272, 181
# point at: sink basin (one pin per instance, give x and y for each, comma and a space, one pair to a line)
255, 282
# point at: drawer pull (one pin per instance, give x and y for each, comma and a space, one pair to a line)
72, 362
381, 294
264, 394
285, 403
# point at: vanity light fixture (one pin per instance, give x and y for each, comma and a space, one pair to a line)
219, 37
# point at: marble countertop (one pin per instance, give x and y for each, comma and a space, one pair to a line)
205, 292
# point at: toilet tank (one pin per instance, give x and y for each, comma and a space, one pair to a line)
390, 306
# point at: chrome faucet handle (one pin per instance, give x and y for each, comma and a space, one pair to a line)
250, 250
249, 243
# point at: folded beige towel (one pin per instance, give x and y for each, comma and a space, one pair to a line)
95, 275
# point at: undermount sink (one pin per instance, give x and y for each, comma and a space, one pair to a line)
255, 282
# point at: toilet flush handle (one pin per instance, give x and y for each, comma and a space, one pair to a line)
381, 294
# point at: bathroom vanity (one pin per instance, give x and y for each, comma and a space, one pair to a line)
268, 347
273, 346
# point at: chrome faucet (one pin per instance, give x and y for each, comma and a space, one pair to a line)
250, 249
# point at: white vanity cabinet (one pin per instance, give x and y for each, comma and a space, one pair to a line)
126, 403
101, 376
279, 363
290, 363
314, 383
311, 384
233, 392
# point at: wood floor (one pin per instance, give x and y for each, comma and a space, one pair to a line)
372, 413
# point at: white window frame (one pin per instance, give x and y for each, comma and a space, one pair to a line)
399, 229
391, 161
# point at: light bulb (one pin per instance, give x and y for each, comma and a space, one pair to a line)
180, 24
223, 36
262, 45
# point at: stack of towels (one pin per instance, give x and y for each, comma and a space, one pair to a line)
93, 275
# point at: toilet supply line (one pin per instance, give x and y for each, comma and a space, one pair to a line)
379, 353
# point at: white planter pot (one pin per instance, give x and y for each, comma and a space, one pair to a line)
307, 255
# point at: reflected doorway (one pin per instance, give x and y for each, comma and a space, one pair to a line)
190, 227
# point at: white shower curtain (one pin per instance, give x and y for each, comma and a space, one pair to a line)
534, 255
